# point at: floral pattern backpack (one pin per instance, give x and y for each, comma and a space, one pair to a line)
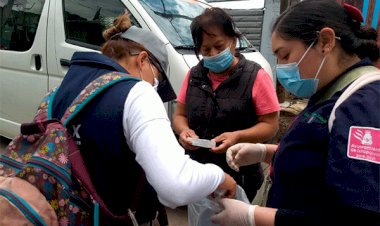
43, 179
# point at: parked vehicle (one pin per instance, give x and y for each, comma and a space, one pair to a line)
38, 38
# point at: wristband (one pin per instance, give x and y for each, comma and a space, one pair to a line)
263, 150
251, 212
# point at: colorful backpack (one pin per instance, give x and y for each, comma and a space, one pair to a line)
43, 179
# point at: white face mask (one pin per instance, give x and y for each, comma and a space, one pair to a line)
155, 81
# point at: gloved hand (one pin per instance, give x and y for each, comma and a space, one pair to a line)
243, 154
235, 213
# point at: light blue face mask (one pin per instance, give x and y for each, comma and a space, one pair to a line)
220, 62
289, 77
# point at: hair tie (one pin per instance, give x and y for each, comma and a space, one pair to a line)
116, 35
354, 12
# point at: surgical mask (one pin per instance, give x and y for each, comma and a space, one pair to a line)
220, 62
289, 77
155, 82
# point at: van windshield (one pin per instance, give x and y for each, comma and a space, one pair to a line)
174, 18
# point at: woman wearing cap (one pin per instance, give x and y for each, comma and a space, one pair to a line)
323, 173
125, 134
225, 98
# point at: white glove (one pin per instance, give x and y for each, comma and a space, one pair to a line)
244, 154
235, 213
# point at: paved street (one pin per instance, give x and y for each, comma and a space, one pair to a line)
178, 216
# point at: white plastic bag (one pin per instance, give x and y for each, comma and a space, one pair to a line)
199, 213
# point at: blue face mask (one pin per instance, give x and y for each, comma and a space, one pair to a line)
219, 62
289, 77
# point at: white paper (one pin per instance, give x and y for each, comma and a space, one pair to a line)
203, 143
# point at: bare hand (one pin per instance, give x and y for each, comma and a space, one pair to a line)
229, 185
226, 140
185, 141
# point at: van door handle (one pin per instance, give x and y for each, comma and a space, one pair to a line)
37, 61
64, 62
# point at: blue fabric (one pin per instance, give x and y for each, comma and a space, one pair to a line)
84, 68
311, 168
98, 131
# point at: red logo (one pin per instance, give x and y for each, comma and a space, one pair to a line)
364, 144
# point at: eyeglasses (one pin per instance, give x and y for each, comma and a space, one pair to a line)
153, 61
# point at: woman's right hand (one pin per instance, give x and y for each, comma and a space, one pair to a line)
185, 141
228, 185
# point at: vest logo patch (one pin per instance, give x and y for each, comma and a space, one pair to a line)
364, 144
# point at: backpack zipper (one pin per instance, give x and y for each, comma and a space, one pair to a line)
62, 176
58, 172
11, 162
81, 203
23, 206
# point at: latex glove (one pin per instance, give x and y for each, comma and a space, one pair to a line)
244, 154
185, 141
235, 213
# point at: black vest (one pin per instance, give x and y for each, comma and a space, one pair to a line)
228, 108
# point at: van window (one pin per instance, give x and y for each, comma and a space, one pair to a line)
85, 22
18, 23
174, 18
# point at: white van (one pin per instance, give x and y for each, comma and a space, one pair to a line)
38, 38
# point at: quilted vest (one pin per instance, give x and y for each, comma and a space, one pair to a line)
228, 108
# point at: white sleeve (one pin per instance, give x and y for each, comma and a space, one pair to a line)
177, 179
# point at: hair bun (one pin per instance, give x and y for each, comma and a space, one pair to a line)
354, 12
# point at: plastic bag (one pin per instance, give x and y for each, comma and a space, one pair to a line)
199, 213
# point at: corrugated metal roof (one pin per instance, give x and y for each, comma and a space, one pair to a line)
249, 23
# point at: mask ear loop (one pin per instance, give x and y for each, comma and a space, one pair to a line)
141, 77
320, 67
303, 56
151, 69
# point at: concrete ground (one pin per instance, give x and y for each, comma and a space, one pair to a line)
178, 216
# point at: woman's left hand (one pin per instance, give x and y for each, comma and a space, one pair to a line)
225, 141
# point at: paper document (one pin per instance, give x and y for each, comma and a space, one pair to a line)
203, 143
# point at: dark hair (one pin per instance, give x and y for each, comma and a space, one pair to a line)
212, 17
304, 19
115, 46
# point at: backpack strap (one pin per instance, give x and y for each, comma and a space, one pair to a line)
364, 79
92, 90
77, 163
44, 109
345, 80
